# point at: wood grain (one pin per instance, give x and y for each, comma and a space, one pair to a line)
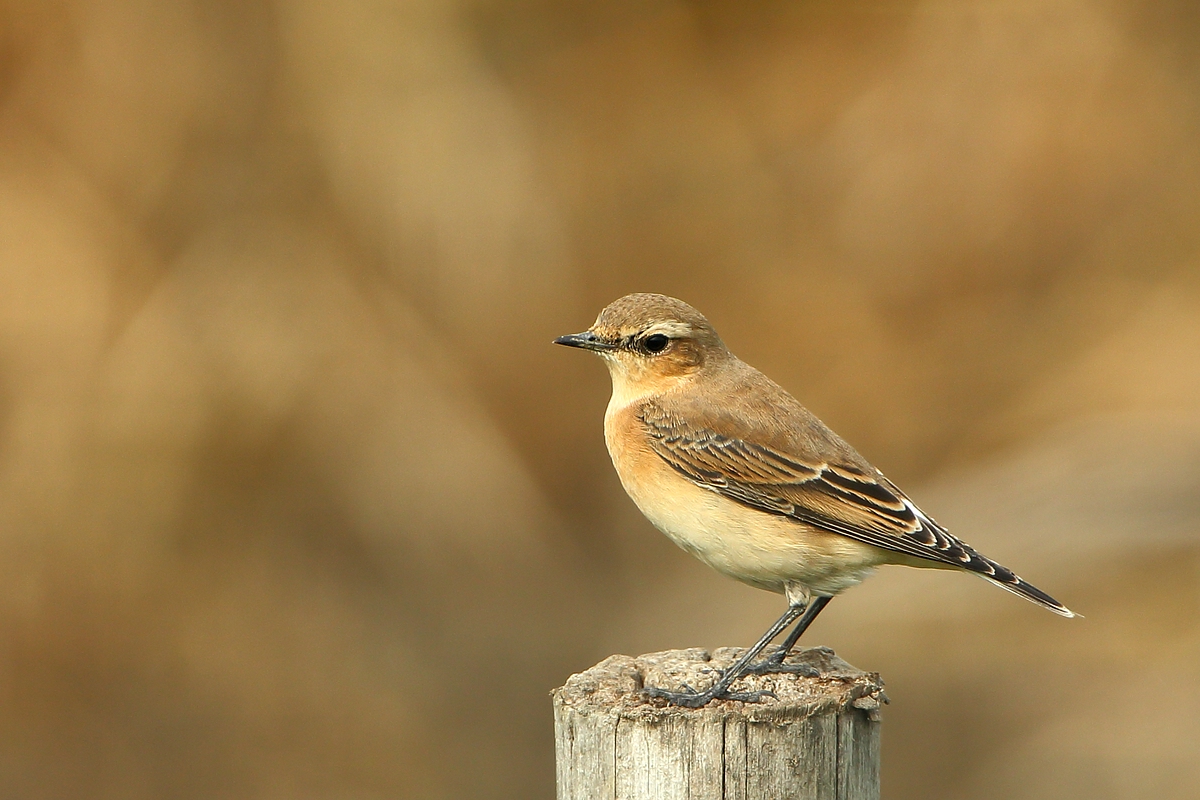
818, 739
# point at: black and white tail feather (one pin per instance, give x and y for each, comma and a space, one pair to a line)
997, 573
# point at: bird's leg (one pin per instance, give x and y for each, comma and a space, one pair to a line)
693, 699
774, 662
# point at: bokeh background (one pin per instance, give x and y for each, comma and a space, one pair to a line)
298, 501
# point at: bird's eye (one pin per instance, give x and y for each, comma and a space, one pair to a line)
656, 343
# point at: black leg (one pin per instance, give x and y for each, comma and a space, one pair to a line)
815, 607
774, 662
694, 699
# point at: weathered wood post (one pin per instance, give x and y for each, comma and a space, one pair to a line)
818, 740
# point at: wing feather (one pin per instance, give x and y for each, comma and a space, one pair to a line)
842, 497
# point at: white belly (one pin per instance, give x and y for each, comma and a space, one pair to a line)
761, 549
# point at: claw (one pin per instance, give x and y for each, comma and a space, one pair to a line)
750, 697
693, 699
773, 667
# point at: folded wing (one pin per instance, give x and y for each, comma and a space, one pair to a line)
850, 499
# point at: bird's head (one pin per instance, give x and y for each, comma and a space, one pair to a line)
650, 343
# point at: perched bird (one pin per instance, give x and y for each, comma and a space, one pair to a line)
735, 471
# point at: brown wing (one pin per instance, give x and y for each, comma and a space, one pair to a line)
853, 500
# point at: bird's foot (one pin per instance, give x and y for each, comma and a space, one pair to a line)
690, 698
775, 665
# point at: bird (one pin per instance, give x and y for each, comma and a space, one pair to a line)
734, 470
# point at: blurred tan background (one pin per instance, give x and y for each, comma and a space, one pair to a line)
298, 501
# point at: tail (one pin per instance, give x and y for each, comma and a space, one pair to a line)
1005, 578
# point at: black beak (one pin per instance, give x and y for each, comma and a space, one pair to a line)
586, 340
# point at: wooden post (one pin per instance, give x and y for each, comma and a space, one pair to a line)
818, 740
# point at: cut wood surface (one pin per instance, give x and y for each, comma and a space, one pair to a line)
819, 738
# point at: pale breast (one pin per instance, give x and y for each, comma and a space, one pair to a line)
755, 547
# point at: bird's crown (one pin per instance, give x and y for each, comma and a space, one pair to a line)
636, 313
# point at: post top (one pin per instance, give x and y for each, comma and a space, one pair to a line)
614, 686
